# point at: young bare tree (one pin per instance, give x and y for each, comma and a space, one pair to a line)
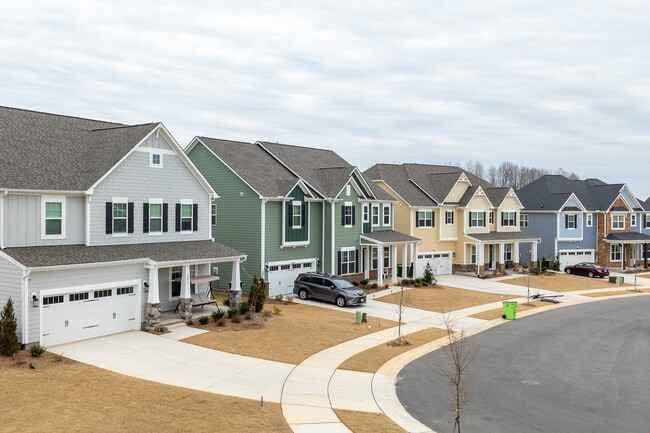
455, 367
403, 301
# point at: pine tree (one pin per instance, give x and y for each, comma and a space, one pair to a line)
9, 344
257, 295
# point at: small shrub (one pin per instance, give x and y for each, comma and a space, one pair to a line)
257, 296
373, 286
364, 282
425, 284
244, 308
428, 274
416, 285
236, 318
9, 343
418, 280
248, 316
226, 302
218, 315
221, 322
232, 312
203, 320
276, 310
189, 322
37, 350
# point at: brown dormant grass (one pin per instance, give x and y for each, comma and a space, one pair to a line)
557, 282
443, 299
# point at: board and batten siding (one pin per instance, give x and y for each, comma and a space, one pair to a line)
274, 234
10, 287
87, 277
24, 216
138, 182
239, 211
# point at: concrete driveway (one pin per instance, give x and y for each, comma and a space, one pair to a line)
582, 369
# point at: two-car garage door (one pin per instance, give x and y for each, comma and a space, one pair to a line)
283, 274
80, 314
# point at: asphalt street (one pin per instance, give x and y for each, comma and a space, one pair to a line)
579, 369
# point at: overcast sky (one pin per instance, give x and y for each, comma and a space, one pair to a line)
548, 84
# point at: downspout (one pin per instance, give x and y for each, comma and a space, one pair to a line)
263, 239
322, 235
88, 200
2, 219
25, 308
332, 240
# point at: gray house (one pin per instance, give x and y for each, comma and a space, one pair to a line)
102, 226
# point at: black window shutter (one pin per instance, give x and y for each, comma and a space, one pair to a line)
566, 221
289, 214
515, 221
195, 217
356, 261
433, 218
165, 219
178, 217
339, 263
353, 214
417, 219
145, 217
343, 215
304, 214
109, 217
129, 217
503, 218
452, 217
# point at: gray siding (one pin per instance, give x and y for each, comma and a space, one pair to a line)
79, 277
23, 219
10, 287
138, 182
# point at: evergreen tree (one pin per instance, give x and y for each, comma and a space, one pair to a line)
428, 274
9, 344
257, 295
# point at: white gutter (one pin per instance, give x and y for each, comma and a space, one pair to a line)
322, 235
88, 200
332, 255
25, 307
263, 239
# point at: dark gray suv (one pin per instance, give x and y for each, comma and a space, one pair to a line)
328, 288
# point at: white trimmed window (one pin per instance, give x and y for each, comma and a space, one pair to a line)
615, 252
156, 160
618, 221
508, 218
366, 213
647, 221
375, 215
490, 217
590, 220
449, 217
296, 216
507, 252
386, 257
424, 218
155, 216
472, 254
386, 215
120, 215
213, 214
347, 214
53, 217
570, 221
348, 261
348, 190
633, 220
477, 219
375, 254
523, 220
186, 215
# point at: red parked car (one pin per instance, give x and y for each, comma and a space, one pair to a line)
587, 270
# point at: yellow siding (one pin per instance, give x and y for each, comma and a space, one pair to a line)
457, 191
449, 231
478, 203
509, 204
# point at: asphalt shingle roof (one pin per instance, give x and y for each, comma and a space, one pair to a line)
389, 236
41, 151
49, 256
551, 192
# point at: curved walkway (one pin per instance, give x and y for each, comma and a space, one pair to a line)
310, 391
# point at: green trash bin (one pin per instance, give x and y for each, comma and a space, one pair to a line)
619, 281
509, 310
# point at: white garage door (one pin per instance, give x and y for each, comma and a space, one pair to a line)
440, 263
71, 316
282, 275
571, 257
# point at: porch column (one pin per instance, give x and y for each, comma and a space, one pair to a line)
380, 265
414, 259
152, 308
480, 261
645, 256
185, 301
533, 252
515, 252
235, 286
404, 263
622, 257
366, 251
393, 262
502, 259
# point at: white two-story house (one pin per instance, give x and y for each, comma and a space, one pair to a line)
102, 226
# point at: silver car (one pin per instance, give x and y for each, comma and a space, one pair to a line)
328, 288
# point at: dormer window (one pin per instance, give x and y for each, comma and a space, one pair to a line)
296, 217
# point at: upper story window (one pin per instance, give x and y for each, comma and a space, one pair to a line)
348, 190
647, 221
523, 220
570, 221
375, 215
424, 218
296, 215
119, 217
156, 160
477, 219
618, 221
213, 214
449, 217
633, 220
53, 217
509, 219
387, 215
366, 213
490, 217
155, 216
347, 214
187, 216
589, 220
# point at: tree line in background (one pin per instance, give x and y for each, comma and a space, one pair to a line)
509, 174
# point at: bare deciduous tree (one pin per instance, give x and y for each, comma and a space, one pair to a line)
455, 367
509, 174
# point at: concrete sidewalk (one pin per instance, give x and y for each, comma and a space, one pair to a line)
309, 392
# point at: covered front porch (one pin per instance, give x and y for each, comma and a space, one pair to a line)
498, 251
379, 252
628, 249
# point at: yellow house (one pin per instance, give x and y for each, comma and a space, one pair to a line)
466, 224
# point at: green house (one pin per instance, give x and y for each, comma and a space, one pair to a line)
296, 209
